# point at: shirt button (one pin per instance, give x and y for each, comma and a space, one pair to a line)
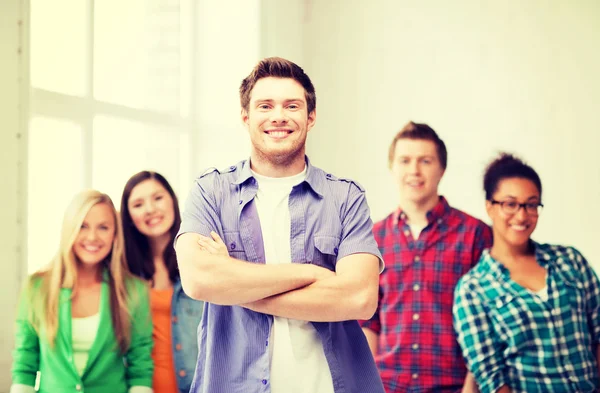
241, 201
232, 246
439, 221
78, 387
415, 376
415, 346
178, 347
416, 287
406, 232
417, 258
335, 250
416, 317
182, 373
267, 343
264, 381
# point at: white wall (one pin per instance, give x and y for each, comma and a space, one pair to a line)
12, 185
227, 47
487, 76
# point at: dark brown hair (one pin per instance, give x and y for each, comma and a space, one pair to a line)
507, 166
278, 68
423, 132
137, 247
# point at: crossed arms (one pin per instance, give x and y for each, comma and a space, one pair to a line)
293, 290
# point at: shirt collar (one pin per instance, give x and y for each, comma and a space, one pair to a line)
437, 213
315, 178
499, 271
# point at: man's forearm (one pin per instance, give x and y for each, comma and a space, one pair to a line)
224, 280
333, 299
236, 282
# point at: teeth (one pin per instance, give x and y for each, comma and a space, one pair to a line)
154, 221
518, 227
91, 248
278, 134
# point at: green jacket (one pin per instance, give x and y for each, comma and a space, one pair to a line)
107, 370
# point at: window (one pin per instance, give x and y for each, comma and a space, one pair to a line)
110, 96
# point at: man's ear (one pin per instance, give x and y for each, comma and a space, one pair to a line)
312, 118
244, 116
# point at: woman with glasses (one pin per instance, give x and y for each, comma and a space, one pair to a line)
527, 315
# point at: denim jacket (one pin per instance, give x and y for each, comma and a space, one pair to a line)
185, 317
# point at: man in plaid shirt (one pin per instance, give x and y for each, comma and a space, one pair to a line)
427, 246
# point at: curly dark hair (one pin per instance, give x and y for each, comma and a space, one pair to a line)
507, 166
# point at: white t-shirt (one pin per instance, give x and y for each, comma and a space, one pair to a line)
84, 333
298, 363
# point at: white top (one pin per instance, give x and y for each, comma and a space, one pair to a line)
84, 332
542, 293
298, 363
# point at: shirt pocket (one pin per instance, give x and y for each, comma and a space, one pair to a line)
513, 319
326, 251
234, 244
576, 295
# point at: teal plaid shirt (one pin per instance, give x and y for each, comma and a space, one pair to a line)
510, 336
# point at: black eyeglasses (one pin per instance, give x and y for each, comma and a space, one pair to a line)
512, 207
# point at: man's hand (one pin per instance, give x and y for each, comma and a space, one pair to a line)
214, 245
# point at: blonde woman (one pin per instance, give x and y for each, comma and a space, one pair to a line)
84, 321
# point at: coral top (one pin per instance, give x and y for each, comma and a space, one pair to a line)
164, 380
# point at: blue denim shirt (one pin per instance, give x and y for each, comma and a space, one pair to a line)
185, 318
329, 220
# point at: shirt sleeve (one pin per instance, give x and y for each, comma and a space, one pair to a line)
140, 366
200, 212
478, 341
483, 240
357, 227
26, 355
592, 293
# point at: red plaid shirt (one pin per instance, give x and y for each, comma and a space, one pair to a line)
417, 350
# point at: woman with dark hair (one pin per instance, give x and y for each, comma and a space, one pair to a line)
150, 215
527, 315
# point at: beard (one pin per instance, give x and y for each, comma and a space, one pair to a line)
280, 158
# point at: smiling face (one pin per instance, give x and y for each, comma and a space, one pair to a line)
417, 171
151, 208
513, 229
96, 236
278, 122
